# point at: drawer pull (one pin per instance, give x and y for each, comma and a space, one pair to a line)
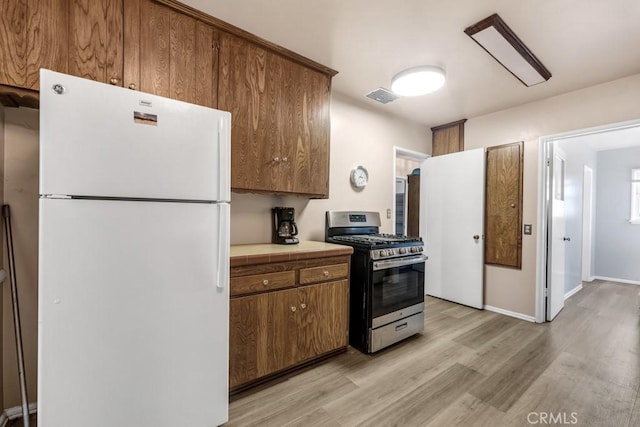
326, 273
265, 282
303, 306
293, 308
401, 326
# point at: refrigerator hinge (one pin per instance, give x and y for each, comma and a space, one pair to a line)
55, 196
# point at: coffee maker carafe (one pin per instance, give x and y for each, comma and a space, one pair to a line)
284, 226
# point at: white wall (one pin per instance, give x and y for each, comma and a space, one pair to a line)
21, 193
617, 241
610, 102
577, 156
359, 135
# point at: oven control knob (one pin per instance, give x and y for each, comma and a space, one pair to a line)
402, 250
420, 249
383, 252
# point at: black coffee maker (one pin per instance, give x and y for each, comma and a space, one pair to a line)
284, 226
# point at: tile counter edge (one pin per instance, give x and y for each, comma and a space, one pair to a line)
263, 253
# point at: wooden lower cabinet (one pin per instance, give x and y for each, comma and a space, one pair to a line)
259, 340
275, 330
322, 321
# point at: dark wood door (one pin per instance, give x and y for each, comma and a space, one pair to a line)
323, 322
413, 205
503, 216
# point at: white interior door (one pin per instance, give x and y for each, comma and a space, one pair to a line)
452, 224
558, 240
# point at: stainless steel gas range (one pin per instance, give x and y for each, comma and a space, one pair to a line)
386, 283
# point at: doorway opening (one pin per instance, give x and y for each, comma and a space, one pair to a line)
406, 190
571, 232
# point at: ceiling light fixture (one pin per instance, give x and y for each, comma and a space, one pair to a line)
418, 81
502, 43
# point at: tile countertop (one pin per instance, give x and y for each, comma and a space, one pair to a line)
266, 252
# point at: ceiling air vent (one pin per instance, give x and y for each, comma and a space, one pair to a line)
382, 95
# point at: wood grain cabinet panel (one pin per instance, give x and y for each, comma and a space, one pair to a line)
503, 233
322, 324
169, 53
448, 138
260, 335
95, 40
78, 37
262, 282
323, 273
280, 120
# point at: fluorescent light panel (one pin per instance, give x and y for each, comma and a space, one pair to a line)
494, 36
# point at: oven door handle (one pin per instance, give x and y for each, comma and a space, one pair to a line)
382, 265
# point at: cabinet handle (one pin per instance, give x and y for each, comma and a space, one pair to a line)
132, 86
326, 273
293, 308
303, 306
513, 205
276, 159
285, 159
114, 81
265, 282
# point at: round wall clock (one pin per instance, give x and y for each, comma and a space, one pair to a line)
359, 177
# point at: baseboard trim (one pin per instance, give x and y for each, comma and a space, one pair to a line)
510, 313
14, 413
573, 291
613, 279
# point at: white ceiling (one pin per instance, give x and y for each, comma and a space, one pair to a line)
582, 43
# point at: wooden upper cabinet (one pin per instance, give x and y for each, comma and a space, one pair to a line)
170, 54
280, 120
78, 37
503, 233
448, 138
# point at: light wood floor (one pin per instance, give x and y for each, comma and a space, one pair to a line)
475, 368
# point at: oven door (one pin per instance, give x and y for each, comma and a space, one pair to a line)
397, 289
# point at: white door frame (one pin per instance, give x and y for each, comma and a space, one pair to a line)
543, 191
404, 152
587, 223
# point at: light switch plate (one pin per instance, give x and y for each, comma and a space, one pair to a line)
527, 229
388, 213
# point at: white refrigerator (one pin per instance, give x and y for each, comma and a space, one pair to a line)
133, 300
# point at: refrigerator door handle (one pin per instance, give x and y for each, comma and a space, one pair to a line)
223, 246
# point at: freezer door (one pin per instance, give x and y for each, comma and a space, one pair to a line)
102, 140
133, 314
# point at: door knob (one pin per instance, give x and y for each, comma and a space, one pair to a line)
476, 237
566, 239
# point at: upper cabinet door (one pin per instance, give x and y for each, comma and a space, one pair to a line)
280, 120
250, 93
78, 37
170, 54
448, 138
95, 40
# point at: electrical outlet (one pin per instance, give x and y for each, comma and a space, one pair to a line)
388, 213
527, 229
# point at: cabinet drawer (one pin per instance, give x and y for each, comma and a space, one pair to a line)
262, 282
322, 273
